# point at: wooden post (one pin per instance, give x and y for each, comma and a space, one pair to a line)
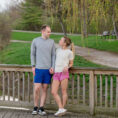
72, 88
18, 74
96, 90
23, 86
8, 86
117, 91
78, 89
13, 86
106, 91
101, 90
91, 93
84, 89
111, 92
28, 86
3, 92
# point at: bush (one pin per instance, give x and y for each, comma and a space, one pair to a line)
5, 30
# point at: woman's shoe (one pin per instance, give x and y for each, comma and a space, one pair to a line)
60, 112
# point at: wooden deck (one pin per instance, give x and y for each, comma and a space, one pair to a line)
90, 90
9, 113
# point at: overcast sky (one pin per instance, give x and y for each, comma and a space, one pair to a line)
5, 3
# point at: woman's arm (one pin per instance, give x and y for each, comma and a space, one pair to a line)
69, 66
70, 63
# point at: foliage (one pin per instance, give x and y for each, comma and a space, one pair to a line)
31, 14
5, 30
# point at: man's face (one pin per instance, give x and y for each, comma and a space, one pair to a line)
46, 32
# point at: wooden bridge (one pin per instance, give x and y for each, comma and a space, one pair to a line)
92, 91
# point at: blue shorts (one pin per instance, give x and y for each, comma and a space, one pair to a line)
42, 76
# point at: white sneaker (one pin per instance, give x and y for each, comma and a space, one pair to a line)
60, 112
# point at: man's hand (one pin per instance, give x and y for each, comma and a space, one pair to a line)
33, 70
65, 69
51, 70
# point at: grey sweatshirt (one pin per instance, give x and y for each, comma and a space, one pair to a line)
43, 53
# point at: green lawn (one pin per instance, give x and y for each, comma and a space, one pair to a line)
92, 41
19, 53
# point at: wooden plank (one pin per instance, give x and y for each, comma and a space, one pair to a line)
16, 69
28, 68
84, 89
96, 90
18, 75
72, 88
50, 97
3, 76
13, 86
111, 92
91, 93
106, 72
68, 91
29, 86
106, 91
23, 94
8, 86
33, 87
117, 92
79, 71
78, 89
100, 90
8, 114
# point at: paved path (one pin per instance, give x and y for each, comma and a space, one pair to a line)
100, 57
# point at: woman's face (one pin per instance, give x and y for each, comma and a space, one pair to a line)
61, 42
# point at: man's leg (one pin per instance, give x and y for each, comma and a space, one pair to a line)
37, 87
44, 94
43, 99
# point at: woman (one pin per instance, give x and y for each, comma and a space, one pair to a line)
64, 60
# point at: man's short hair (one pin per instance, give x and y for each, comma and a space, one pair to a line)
44, 27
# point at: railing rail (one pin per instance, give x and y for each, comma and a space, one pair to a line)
90, 89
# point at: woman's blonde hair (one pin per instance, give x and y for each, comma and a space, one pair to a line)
70, 43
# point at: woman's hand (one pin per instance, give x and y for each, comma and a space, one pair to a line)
51, 70
65, 69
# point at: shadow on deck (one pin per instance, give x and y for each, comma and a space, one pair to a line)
14, 113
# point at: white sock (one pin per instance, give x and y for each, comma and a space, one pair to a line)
61, 109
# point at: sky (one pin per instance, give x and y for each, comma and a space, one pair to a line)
5, 3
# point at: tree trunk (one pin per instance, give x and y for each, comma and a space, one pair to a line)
114, 25
83, 19
62, 26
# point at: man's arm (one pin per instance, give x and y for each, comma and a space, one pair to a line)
33, 54
53, 56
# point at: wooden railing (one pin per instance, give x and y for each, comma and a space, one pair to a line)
93, 90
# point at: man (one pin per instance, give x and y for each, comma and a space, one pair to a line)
43, 62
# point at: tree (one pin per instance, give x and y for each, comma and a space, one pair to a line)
69, 12
112, 10
83, 17
31, 14
101, 11
54, 9
5, 30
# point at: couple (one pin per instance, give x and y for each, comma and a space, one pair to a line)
47, 61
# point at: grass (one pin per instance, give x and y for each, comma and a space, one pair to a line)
19, 53
92, 41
